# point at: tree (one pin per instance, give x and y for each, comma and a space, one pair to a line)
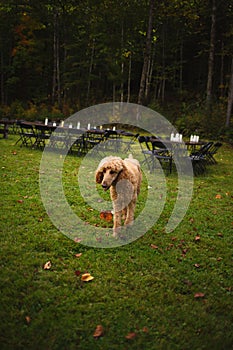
230, 97
147, 53
209, 88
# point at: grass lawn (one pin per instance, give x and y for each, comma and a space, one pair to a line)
163, 291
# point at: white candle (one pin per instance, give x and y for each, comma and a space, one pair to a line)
70, 125
88, 126
46, 121
54, 124
78, 125
114, 128
62, 123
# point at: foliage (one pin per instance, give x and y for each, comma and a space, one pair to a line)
164, 291
75, 54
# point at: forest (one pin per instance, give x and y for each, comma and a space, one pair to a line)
60, 56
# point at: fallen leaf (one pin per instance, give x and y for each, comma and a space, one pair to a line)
199, 295
40, 219
218, 196
145, 330
20, 201
78, 255
14, 153
77, 240
47, 265
131, 335
197, 265
86, 277
106, 215
28, 319
197, 238
77, 273
99, 331
154, 246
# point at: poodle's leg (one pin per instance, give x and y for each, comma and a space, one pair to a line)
130, 213
124, 213
116, 223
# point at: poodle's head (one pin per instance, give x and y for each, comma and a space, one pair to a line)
108, 171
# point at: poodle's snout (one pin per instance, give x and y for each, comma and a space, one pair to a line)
105, 186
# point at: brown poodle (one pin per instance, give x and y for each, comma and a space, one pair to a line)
123, 177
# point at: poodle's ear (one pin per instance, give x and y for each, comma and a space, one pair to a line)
99, 176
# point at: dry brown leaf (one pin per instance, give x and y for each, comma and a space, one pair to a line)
131, 335
99, 331
218, 196
145, 330
47, 265
199, 295
78, 255
197, 265
28, 319
77, 239
86, 277
106, 215
154, 246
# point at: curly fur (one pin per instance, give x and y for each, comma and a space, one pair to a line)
123, 178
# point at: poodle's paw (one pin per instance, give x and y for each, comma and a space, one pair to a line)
129, 223
116, 232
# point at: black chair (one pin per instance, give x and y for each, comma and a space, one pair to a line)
162, 153
27, 134
127, 140
200, 158
43, 133
147, 151
212, 152
59, 139
154, 149
75, 141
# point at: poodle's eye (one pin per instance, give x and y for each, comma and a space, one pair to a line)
112, 172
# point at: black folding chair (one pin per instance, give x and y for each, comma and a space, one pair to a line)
212, 152
200, 158
43, 133
27, 134
162, 153
75, 141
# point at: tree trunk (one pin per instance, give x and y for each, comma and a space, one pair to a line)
56, 88
122, 63
2, 79
230, 97
147, 53
181, 67
90, 71
129, 79
209, 89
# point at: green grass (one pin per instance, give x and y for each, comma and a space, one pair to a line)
150, 292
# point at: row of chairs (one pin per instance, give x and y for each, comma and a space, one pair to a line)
155, 151
76, 141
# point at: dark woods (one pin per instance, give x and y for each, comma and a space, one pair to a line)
175, 56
